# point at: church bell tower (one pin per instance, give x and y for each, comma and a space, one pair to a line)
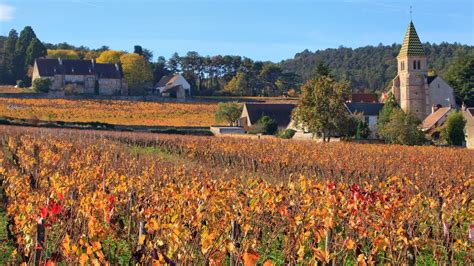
413, 90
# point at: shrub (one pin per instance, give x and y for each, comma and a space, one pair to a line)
286, 134
265, 125
20, 84
42, 85
453, 133
362, 130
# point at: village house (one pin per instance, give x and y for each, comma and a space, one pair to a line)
469, 129
80, 76
370, 111
435, 119
173, 86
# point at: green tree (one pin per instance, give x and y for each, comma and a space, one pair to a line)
42, 85
362, 130
453, 133
159, 69
27, 35
228, 112
321, 106
402, 128
387, 110
136, 71
35, 50
9, 57
460, 76
265, 125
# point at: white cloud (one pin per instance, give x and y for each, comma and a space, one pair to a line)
6, 12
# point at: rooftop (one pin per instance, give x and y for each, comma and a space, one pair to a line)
411, 43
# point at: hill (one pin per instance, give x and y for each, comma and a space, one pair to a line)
370, 68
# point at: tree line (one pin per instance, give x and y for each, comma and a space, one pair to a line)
372, 68
368, 69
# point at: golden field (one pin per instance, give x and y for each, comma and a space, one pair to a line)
110, 111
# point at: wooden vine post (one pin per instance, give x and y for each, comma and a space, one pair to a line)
39, 239
235, 235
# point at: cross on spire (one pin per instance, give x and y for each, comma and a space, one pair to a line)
411, 12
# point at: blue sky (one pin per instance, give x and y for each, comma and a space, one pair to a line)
259, 29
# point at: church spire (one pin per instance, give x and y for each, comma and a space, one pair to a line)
411, 43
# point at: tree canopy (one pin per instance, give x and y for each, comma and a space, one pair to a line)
460, 76
228, 112
321, 106
136, 71
110, 57
63, 53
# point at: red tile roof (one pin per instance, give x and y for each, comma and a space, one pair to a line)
363, 98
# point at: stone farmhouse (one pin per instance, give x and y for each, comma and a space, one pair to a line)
252, 112
173, 86
413, 89
80, 77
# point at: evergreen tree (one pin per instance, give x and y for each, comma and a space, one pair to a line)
35, 50
20, 65
9, 56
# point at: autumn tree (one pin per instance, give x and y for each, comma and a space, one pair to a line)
136, 71
228, 112
321, 106
63, 53
110, 57
238, 85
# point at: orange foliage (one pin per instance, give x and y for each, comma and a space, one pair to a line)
110, 111
89, 187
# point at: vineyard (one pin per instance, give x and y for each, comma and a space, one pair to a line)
110, 111
90, 197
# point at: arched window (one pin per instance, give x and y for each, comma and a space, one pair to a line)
418, 66
414, 64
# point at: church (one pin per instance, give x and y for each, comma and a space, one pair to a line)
413, 89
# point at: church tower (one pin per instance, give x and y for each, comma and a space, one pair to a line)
410, 87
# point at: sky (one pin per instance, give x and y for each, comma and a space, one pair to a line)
259, 29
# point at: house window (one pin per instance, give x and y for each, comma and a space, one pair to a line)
418, 65
414, 64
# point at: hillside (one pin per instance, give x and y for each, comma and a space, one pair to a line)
370, 68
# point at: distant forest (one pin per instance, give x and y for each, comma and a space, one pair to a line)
371, 68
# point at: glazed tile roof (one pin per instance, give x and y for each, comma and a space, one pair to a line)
411, 43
